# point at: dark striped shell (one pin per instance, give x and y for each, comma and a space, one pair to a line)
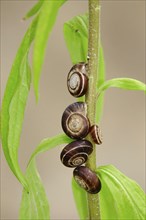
87, 179
77, 80
74, 120
96, 135
76, 153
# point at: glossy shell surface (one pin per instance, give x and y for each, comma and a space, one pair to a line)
76, 153
96, 134
87, 179
77, 80
74, 120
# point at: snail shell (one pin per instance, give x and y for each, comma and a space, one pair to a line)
76, 153
74, 120
96, 135
77, 80
87, 179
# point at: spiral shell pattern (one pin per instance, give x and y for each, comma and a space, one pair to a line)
76, 153
96, 134
74, 120
77, 80
87, 179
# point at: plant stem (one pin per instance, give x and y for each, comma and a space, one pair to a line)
93, 49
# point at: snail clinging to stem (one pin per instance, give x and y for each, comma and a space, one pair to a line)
77, 80
87, 179
76, 125
74, 120
76, 153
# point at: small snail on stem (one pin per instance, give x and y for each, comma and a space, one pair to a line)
74, 120
95, 133
76, 153
77, 80
87, 179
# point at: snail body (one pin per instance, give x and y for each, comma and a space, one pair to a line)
96, 135
76, 153
74, 120
77, 80
87, 179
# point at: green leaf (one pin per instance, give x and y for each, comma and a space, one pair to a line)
101, 68
100, 81
80, 197
34, 205
99, 108
47, 17
76, 38
50, 143
33, 10
122, 83
14, 102
120, 197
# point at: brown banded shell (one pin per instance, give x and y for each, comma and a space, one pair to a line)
74, 120
96, 135
87, 179
77, 80
76, 153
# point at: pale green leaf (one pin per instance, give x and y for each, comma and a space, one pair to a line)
76, 38
100, 81
120, 197
50, 143
33, 10
80, 197
34, 205
99, 108
14, 103
47, 18
122, 83
101, 68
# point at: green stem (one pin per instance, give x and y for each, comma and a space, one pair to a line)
93, 51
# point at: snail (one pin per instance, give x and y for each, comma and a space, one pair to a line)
76, 153
74, 120
95, 133
77, 80
87, 179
